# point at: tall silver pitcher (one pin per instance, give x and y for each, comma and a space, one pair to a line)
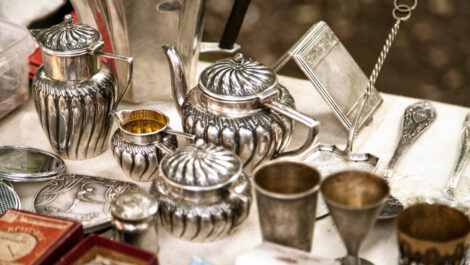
138, 28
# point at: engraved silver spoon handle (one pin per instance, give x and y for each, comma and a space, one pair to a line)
416, 120
464, 155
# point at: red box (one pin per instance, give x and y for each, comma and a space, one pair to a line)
95, 245
29, 238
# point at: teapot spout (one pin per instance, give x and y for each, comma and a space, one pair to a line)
35, 33
178, 79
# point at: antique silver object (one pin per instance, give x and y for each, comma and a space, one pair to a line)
417, 118
82, 198
202, 192
26, 164
138, 28
74, 90
354, 199
134, 220
141, 141
286, 193
329, 159
449, 191
240, 105
8, 198
334, 73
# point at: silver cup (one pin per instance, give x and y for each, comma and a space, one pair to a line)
286, 193
354, 199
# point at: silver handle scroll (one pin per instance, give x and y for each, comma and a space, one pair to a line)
128, 60
312, 124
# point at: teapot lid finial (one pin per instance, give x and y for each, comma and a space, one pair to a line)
238, 59
68, 19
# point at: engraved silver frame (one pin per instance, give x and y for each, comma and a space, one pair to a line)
311, 50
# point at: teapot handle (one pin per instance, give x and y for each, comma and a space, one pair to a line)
312, 124
189, 136
130, 61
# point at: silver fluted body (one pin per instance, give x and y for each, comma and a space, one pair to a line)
254, 137
140, 161
74, 91
75, 114
203, 194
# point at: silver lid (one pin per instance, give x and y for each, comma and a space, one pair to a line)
134, 206
237, 77
68, 37
201, 165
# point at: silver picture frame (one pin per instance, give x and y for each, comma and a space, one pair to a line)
333, 72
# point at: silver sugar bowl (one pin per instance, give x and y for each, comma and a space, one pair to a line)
239, 104
202, 192
134, 218
141, 141
74, 90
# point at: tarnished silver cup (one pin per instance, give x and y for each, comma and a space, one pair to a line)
286, 193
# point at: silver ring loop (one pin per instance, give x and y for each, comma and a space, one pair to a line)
402, 9
396, 4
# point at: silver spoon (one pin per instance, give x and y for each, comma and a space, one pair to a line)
449, 191
416, 120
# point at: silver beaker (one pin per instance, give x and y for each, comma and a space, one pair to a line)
286, 193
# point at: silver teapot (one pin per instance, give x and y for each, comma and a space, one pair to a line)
239, 104
141, 140
202, 192
74, 90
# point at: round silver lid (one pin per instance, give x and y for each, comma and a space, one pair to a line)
237, 78
200, 165
68, 37
134, 206
26, 164
8, 198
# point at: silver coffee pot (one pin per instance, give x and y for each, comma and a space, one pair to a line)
239, 104
74, 90
138, 28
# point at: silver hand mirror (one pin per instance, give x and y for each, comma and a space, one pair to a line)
26, 164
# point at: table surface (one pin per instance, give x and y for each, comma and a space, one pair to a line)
423, 170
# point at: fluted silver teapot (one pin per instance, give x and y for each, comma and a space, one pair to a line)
239, 104
74, 90
202, 192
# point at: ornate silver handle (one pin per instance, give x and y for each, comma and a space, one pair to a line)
416, 120
312, 124
464, 155
130, 61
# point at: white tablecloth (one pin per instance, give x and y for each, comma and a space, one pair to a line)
424, 169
